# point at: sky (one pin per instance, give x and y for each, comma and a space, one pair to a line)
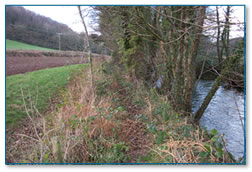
237, 16
69, 15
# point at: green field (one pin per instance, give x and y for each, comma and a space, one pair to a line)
15, 45
40, 85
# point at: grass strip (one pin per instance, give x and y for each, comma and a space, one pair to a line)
15, 45
38, 86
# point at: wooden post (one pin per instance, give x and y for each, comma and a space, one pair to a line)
59, 34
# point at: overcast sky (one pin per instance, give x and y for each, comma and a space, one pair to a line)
237, 16
69, 16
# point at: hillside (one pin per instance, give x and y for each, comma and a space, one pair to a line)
208, 47
28, 27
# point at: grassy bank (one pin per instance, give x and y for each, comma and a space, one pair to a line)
10, 44
37, 88
122, 122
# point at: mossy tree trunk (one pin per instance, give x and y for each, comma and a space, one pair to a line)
229, 62
162, 42
190, 26
232, 60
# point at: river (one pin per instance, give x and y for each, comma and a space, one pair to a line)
225, 113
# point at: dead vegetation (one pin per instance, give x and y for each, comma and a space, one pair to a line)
123, 122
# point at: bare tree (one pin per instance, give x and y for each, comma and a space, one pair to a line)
88, 46
219, 49
227, 65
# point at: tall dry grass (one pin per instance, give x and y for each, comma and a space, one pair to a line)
121, 122
78, 129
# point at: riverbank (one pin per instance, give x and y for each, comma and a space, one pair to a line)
122, 122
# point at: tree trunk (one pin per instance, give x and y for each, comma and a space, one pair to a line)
178, 74
215, 87
191, 60
218, 37
88, 47
227, 30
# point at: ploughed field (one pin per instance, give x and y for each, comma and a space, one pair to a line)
22, 61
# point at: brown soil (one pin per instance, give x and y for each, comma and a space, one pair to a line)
20, 61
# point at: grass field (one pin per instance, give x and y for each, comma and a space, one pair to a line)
39, 85
10, 44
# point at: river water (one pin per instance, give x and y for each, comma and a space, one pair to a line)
225, 113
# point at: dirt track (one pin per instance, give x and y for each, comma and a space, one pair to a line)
28, 61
